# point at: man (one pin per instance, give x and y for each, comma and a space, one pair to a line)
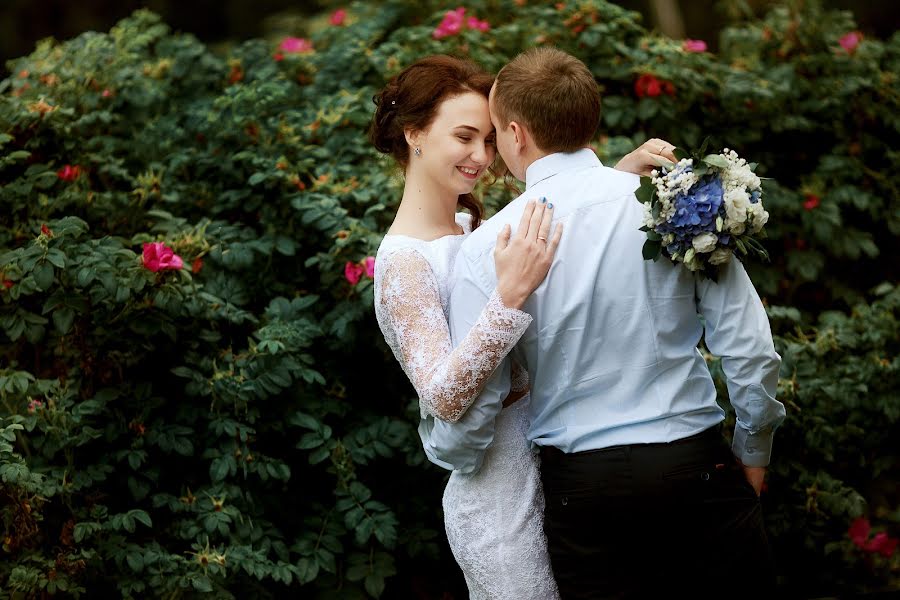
642, 494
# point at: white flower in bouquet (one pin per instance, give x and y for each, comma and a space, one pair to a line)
720, 256
705, 242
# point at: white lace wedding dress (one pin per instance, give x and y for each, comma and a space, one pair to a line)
493, 517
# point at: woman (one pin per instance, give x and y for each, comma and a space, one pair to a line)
433, 119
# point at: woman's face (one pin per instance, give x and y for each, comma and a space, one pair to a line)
460, 144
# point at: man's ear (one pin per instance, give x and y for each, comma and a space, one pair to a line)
520, 136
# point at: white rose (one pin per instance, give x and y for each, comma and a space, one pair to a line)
758, 217
735, 227
705, 242
720, 256
736, 203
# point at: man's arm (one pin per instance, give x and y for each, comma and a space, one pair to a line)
461, 445
737, 330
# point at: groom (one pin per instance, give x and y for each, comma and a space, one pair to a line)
643, 495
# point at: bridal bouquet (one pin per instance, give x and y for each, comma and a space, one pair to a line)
702, 209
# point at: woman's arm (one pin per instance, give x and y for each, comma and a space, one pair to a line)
447, 380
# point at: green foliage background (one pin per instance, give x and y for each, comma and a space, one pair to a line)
239, 429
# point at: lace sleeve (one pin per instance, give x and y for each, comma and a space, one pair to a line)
519, 378
411, 315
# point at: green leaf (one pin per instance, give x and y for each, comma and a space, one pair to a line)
715, 160
218, 469
141, 516
257, 178
62, 319
374, 584
43, 275
651, 250
645, 192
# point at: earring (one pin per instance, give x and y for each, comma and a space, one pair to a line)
418, 151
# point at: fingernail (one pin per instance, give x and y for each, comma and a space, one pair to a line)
544, 200
550, 205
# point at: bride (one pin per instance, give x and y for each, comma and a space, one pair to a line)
433, 119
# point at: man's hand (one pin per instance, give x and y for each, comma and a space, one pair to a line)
647, 157
755, 475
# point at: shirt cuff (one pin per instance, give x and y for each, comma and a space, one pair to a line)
753, 449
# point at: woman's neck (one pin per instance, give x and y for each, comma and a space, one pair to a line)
426, 208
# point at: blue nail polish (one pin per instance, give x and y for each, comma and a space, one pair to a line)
550, 205
544, 200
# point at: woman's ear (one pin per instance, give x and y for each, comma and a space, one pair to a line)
413, 138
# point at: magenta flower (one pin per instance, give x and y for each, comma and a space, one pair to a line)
455, 21
850, 41
694, 46
293, 45
883, 544
33, 405
69, 173
370, 266
859, 531
338, 17
353, 271
159, 257
474, 23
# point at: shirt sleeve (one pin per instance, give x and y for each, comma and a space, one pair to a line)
447, 380
737, 330
461, 446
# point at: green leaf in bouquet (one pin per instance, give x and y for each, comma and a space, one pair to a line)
715, 160
651, 250
653, 236
680, 153
645, 192
703, 146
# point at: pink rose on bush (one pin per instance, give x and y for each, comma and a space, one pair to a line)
69, 173
694, 46
338, 17
883, 544
859, 531
455, 21
353, 271
370, 266
159, 257
474, 23
850, 41
294, 45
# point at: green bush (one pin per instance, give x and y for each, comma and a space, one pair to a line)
237, 426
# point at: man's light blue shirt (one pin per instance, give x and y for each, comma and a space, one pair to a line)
612, 351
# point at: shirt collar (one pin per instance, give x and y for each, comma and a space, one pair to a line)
550, 165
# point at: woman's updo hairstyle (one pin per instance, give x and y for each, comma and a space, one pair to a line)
410, 100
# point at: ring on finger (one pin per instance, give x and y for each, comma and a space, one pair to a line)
543, 239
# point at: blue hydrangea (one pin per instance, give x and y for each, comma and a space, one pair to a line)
695, 212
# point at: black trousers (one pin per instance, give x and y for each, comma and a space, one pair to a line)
655, 521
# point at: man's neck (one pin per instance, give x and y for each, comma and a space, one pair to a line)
530, 158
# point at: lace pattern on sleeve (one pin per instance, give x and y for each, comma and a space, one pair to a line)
519, 378
410, 314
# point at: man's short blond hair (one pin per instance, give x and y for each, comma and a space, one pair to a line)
553, 94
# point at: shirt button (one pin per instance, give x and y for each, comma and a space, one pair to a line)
565, 500
704, 476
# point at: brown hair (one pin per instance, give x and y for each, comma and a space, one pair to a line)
553, 94
410, 100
